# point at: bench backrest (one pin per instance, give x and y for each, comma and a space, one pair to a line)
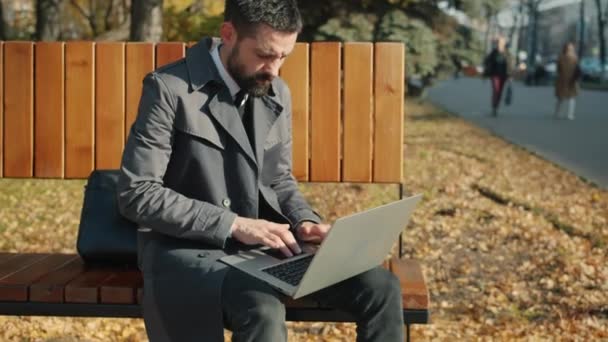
67, 107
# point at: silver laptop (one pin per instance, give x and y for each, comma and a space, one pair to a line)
355, 244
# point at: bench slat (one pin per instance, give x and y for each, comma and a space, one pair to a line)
109, 104
389, 88
413, 286
325, 112
14, 287
19, 262
19, 109
169, 52
121, 288
85, 287
49, 110
6, 257
50, 288
358, 95
298, 79
1, 109
79, 109
140, 61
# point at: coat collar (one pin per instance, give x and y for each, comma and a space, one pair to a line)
202, 72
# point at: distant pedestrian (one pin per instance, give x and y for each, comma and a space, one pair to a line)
498, 67
566, 84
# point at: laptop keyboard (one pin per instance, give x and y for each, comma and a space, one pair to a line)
290, 272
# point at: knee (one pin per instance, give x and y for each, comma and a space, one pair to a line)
385, 285
267, 312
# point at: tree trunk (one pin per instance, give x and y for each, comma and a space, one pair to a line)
516, 29
601, 23
532, 36
2, 23
581, 28
48, 19
146, 20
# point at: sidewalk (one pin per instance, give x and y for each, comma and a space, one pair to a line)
580, 146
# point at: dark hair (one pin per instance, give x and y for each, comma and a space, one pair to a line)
245, 15
565, 47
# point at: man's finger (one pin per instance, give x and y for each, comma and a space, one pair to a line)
320, 230
280, 244
290, 241
268, 241
312, 238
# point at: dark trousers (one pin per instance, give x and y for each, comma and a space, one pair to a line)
254, 311
498, 85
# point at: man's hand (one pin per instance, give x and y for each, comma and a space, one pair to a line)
312, 232
274, 235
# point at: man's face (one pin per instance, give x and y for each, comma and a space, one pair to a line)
254, 61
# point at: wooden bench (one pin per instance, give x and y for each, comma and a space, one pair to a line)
67, 108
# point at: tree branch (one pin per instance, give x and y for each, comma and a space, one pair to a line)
106, 19
79, 9
90, 17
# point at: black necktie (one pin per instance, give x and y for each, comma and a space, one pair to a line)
244, 107
240, 102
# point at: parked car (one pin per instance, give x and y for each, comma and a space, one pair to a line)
591, 68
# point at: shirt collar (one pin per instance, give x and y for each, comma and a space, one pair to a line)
233, 87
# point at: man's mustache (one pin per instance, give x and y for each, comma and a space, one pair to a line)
264, 77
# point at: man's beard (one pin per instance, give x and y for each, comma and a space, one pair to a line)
257, 84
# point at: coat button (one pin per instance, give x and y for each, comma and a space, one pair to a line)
226, 202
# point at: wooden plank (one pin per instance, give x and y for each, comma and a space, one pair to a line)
1, 109
169, 52
6, 257
295, 72
18, 263
325, 111
109, 104
389, 92
121, 288
140, 61
19, 109
79, 109
51, 287
415, 294
358, 94
49, 110
15, 286
85, 287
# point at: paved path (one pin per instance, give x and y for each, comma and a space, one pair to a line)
580, 146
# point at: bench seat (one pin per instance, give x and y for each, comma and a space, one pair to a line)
62, 285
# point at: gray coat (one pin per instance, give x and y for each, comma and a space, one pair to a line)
188, 170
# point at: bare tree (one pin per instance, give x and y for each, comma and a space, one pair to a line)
146, 20
515, 31
103, 16
88, 14
601, 25
2, 23
581, 29
532, 33
48, 19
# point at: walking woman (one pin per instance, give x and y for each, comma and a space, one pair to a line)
566, 84
497, 66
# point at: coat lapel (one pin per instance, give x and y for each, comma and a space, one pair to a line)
265, 109
265, 113
225, 113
